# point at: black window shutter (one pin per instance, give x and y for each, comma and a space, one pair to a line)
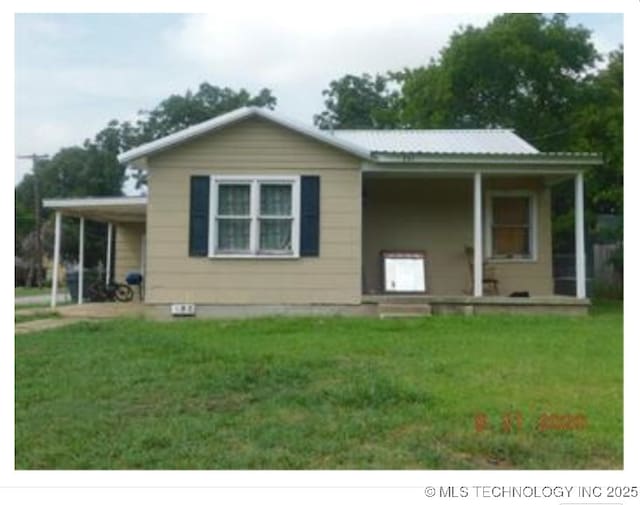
199, 216
309, 215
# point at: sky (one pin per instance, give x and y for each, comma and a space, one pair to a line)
75, 72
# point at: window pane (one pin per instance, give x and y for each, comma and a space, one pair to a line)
275, 199
275, 234
233, 234
234, 199
511, 210
510, 241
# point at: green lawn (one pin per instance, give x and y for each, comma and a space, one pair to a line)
21, 291
322, 393
34, 315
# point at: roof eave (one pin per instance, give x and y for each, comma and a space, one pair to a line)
228, 119
116, 201
547, 159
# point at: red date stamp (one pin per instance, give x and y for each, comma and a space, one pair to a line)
513, 422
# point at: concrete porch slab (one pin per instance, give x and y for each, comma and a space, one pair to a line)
467, 305
108, 310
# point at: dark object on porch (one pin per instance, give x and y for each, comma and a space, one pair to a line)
519, 294
136, 279
73, 282
489, 280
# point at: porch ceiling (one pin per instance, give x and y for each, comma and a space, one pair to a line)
124, 209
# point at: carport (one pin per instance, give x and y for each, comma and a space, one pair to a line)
114, 211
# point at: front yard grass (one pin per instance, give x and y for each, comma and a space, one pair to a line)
21, 291
35, 315
335, 393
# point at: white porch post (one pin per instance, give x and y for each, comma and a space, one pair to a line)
81, 262
477, 234
56, 260
109, 239
581, 274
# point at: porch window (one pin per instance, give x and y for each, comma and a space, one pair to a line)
511, 226
256, 216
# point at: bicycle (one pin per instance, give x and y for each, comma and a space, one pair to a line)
114, 291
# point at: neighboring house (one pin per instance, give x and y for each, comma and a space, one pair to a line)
253, 211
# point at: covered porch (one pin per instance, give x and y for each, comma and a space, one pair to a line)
484, 233
126, 230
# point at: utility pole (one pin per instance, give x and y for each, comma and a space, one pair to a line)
36, 197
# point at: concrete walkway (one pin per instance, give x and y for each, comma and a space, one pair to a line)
43, 299
43, 324
74, 313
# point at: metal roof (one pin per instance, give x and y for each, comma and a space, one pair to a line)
109, 208
496, 141
376, 145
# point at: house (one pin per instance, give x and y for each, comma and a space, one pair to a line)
251, 212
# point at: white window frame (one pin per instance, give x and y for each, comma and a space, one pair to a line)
254, 181
533, 226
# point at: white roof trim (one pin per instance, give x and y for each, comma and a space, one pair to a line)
109, 201
540, 158
230, 118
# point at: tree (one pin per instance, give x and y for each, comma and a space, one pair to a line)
93, 169
181, 111
599, 128
521, 71
360, 102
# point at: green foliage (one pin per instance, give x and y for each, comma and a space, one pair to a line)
529, 72
181, 111
360, 102
93, 169
522, 71
599, 128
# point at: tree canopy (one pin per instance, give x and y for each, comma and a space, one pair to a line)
521, 71
93, 169
359, 102
529, 72
178, 112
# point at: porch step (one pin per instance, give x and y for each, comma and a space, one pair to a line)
396, 310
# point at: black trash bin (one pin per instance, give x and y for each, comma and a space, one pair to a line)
73, 281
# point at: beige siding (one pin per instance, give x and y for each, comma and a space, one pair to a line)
128, 249
434, 215
253, 147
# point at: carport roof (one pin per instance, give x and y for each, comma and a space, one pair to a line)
123, 209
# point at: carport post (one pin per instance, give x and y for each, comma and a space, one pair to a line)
81, 262
581, 277
477, 234
56, 260
109, 239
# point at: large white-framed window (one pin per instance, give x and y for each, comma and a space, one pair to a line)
511, 229
254, 217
